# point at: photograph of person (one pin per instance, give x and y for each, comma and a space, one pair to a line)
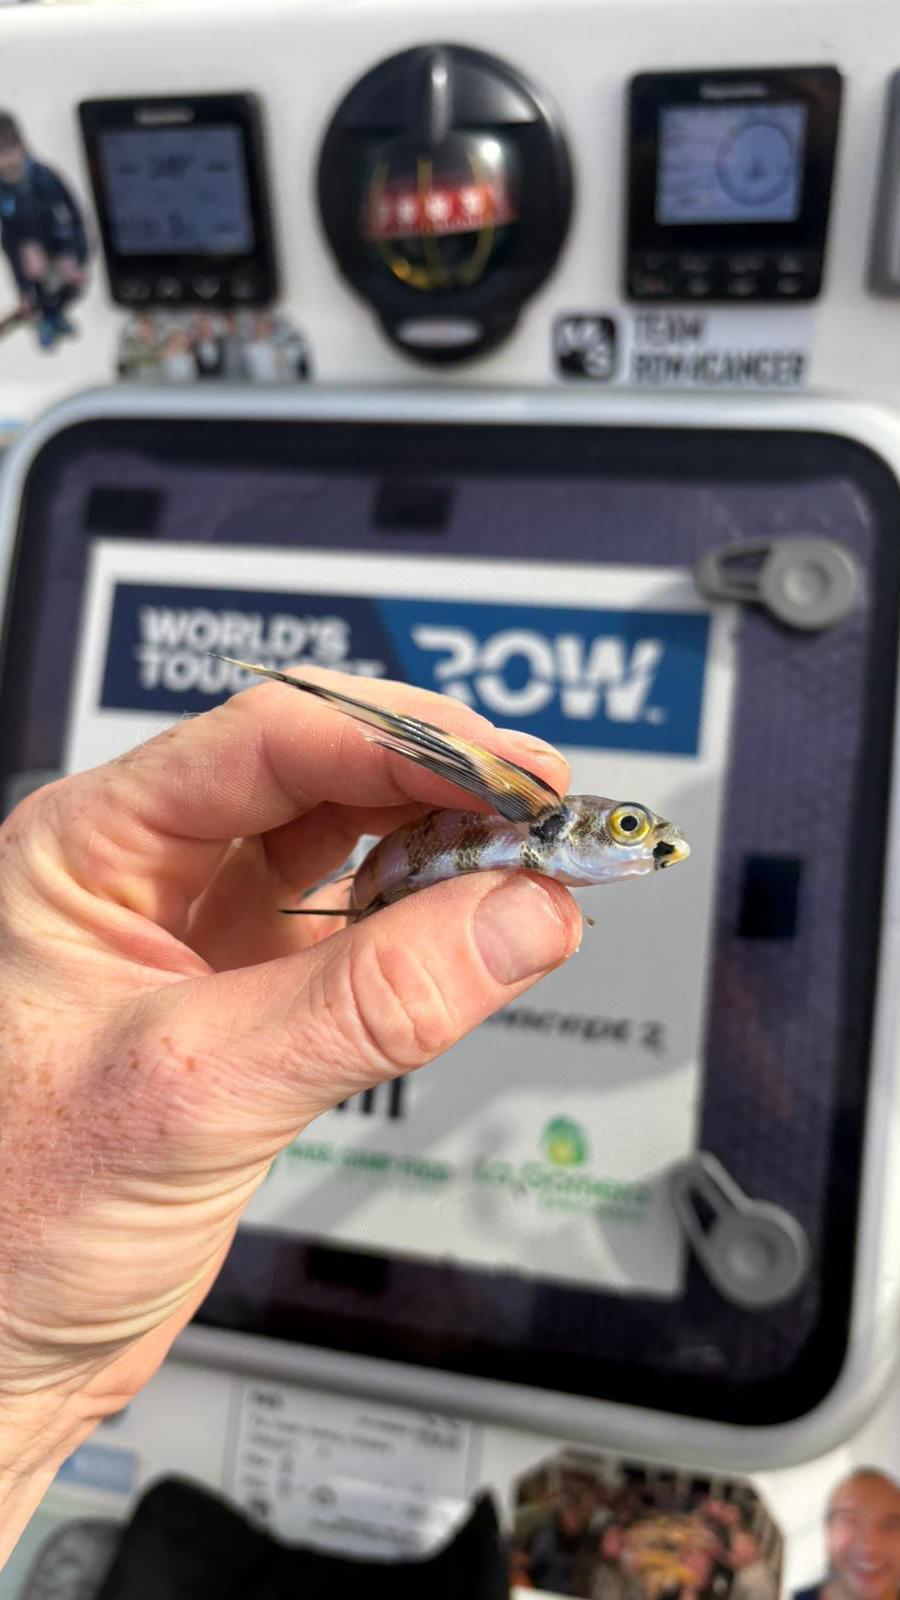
259, 347
862, 1539
43, 237
610, 1530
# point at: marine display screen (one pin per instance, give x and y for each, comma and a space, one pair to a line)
181, 196
729, 183
730, 163
177, 189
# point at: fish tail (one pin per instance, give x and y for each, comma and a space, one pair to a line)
377, 904
324, 883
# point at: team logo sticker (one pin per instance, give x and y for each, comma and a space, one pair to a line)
585, 345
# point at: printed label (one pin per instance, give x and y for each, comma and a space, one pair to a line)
618, 679
761, 349
347, 1475
719, 349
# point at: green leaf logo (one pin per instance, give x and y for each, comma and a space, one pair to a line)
565, 1143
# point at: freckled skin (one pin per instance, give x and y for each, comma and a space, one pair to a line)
448, 844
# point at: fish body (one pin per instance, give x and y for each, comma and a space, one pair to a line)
449, 844
441, 845
580, 840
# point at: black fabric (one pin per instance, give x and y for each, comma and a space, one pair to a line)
184, 1543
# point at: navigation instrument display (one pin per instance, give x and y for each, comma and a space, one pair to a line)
729, 183
180, 190
730, 163
177, 189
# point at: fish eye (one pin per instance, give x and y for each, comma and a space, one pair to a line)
629, 824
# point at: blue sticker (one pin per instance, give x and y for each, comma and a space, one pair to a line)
160, 637
603, 679
100, 1466
610, 680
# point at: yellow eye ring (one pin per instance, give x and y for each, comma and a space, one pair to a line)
629, 824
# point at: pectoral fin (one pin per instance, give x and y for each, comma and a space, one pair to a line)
512, 791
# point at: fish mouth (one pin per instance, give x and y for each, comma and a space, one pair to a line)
667, 851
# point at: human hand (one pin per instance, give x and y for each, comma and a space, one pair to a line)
165, 1032
33, 261
71, 272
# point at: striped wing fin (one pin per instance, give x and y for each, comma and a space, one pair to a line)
511, 790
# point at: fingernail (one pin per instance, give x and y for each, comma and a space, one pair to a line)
519, 931
528, 744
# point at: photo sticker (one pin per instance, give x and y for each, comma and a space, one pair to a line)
860, 1522
601, 1528
257, 347
44, 239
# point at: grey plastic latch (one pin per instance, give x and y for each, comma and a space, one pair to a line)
805, 583
754, 1253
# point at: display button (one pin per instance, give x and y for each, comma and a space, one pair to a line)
743, 287
788, 287
133, 290
651, 285
791, 261
206, 288
698, 287
743, 264
695, 264
244, 286
169, 289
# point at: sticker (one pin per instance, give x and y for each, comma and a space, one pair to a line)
554, 1163
582, 676
44, 239
346, 1475
160, 636
604, 1529
859, 1534
586, 347
685, 347
259, 347
100, 1466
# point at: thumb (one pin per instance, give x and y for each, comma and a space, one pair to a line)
267, 1048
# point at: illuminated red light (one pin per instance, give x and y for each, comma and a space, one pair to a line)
440, 210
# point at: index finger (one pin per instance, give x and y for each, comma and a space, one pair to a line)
148, 829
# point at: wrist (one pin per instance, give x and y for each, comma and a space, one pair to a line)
37, 1433
20, 1497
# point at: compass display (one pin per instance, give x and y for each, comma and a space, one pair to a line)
730, 163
